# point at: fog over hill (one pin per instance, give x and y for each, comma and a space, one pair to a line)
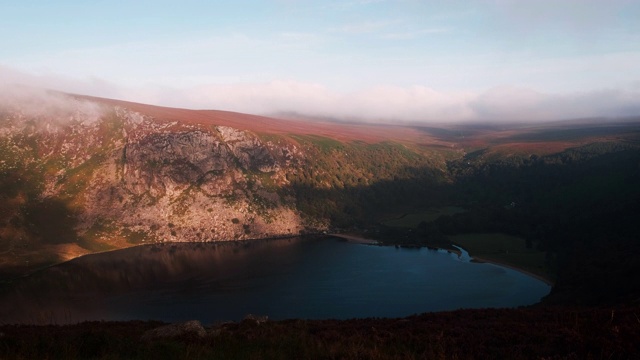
380, 104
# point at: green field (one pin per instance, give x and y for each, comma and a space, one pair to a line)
504, 249
412, 220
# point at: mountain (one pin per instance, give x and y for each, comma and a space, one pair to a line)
80, 174
83, 174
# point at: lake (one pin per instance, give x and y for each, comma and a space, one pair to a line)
310, 278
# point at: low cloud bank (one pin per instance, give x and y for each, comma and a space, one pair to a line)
415, 104
378, 104
53, 107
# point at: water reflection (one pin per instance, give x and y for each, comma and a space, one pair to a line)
285, 278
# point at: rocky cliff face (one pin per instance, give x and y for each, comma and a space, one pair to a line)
122, 178
188, 183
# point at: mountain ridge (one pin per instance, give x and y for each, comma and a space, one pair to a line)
273, 125
83, 174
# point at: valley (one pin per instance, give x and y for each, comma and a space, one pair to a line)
363, 179
91, 175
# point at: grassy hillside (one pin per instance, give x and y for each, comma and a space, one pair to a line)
351, 184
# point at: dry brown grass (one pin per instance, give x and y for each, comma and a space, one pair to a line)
370, 133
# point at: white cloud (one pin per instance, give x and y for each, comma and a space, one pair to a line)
521, 104
10, 78
414, 104
53, 107
383, 103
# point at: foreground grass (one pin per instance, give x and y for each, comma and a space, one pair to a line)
504, 249
530, 333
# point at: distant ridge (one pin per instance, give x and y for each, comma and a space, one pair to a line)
274, 125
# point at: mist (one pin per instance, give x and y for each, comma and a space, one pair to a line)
48, 106
395, 104
382, 104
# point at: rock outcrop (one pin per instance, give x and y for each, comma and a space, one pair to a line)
128, 178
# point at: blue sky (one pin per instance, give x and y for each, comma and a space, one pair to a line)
373, 60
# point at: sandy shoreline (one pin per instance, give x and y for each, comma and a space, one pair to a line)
529, 273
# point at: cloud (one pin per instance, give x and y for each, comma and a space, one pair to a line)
10, 77
522, 104
382, 103
52, 107
416, 103
32, 97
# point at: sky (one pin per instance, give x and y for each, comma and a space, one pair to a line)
372, 60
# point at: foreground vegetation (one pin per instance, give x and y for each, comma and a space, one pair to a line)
529, 333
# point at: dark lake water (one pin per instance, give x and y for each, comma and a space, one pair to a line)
285, 278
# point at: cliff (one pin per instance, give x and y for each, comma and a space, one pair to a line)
81, 176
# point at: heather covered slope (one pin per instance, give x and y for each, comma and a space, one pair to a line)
272, 125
